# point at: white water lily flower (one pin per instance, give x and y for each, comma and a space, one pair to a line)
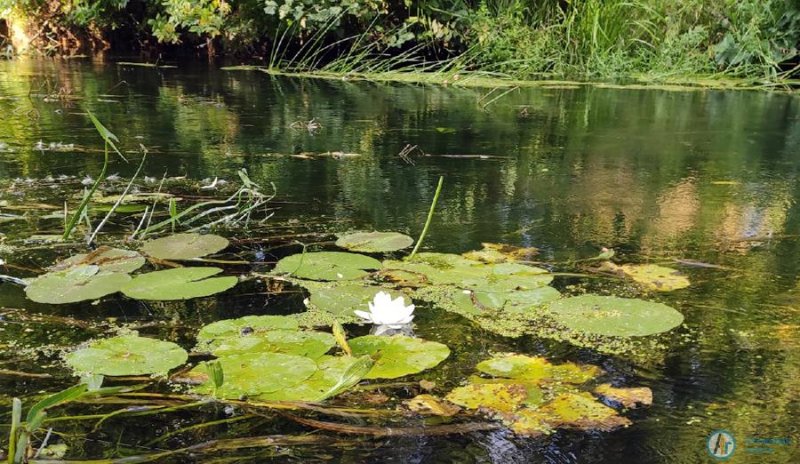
385, 311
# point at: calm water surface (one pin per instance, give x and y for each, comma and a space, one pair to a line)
657, 175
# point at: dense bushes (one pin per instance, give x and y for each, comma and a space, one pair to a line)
757, 38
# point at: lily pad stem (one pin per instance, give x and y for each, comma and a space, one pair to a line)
428, 221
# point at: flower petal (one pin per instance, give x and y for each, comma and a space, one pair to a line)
364, 315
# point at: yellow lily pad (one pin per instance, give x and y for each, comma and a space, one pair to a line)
537, 369
498, 253
628, 397
490, 396
581, 411
654, 277
429, 404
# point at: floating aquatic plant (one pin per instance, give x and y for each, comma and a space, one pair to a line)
387, 313
450, 269
651, 276
344, 299
254, 374
181, 283
374, 242
334, 375
229, 328
302, 343
184, 246
127, 355
492, 396
534, 396
499, 253
630, 397
106, 258
85, 282
327, 265
537, 369
399, 355
613, 316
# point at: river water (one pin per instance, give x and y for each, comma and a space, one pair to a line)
657, 175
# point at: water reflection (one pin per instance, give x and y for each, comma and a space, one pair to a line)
703, 175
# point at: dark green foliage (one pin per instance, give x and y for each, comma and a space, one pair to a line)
522, 38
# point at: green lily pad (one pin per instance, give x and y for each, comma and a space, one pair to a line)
374, 242
537, 369
301, 343
399, 355
344, 299
76, 284
180, 283
449, 269
229, 328
127, 355
327, 265
490, 396
254, 374
184, 246
511, 301
334, 375
612, 316
107, 259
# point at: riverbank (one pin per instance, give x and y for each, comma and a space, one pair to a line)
645, 41
484, 80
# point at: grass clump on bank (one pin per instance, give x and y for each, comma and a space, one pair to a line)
521, 39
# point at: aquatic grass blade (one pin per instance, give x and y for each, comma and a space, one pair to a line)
61, 397
351, 376
16, 419
107, 135
430, 218
78, 214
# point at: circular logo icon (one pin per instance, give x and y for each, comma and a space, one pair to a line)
721, 444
